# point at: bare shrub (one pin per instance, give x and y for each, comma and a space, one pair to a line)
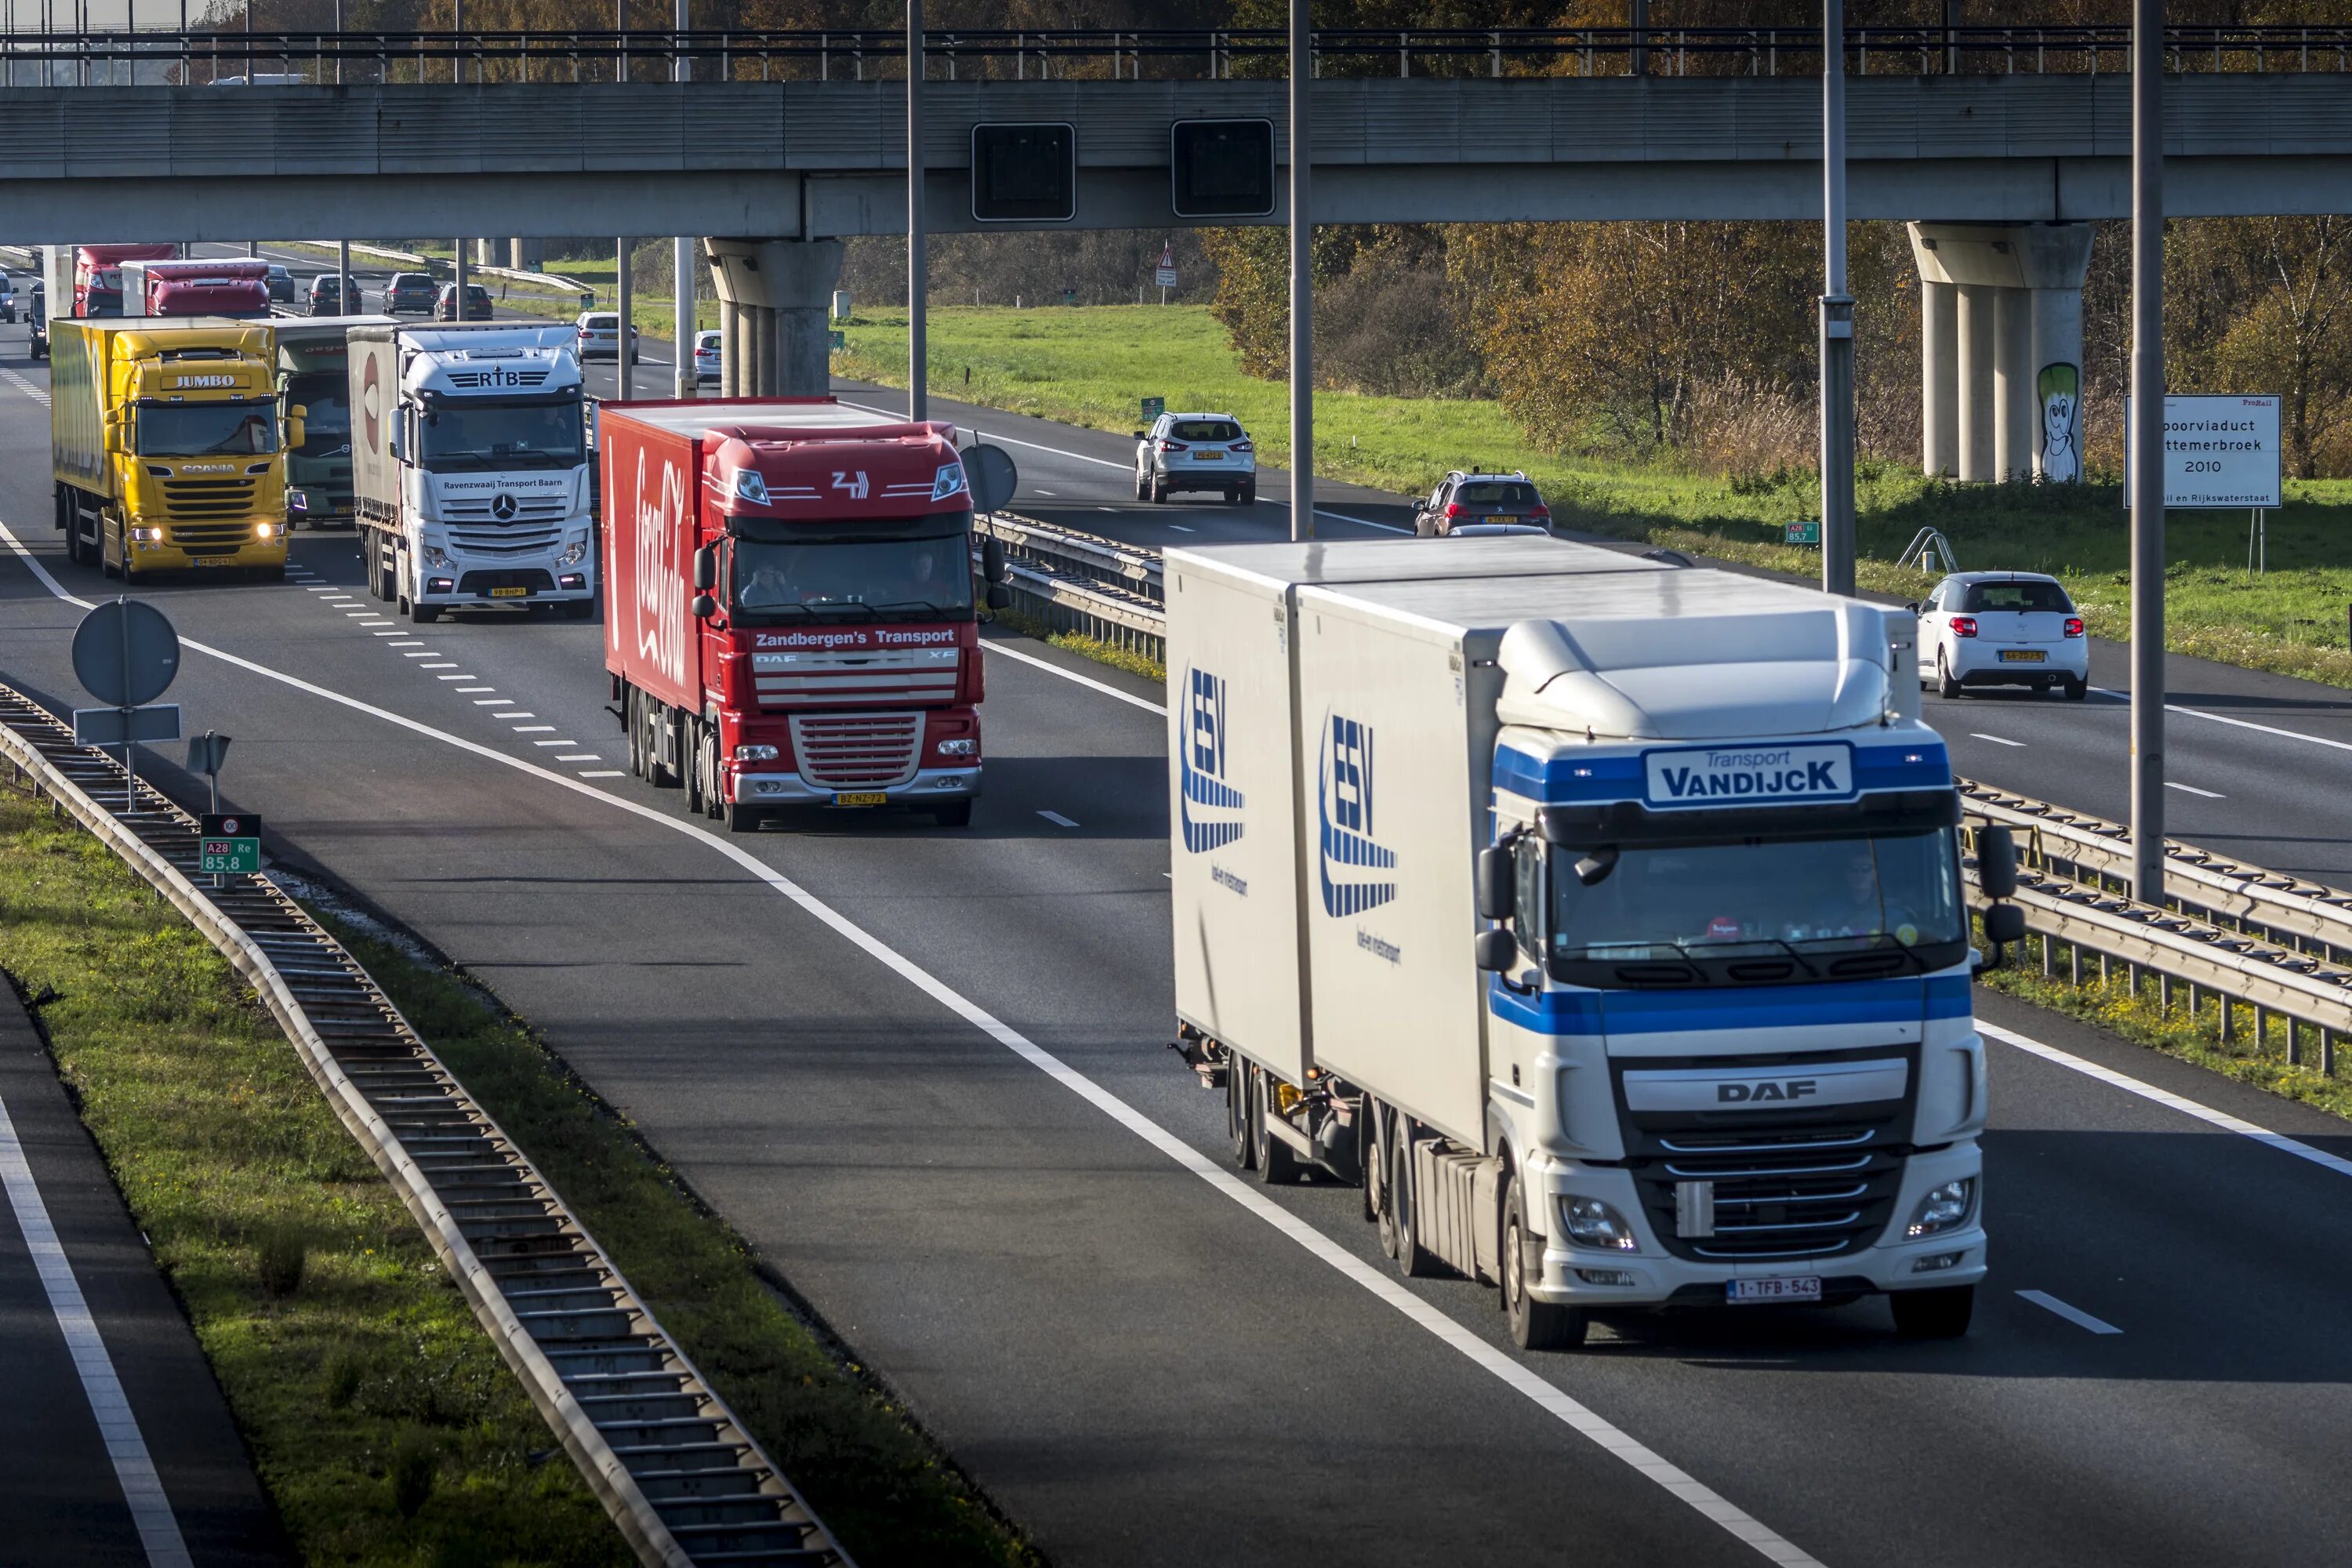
1746, 433
1395, 331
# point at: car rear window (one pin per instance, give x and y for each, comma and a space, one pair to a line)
1205, 430
1495, 492
602, 323
2026, 596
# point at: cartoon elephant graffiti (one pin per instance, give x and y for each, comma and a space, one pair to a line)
2060, 389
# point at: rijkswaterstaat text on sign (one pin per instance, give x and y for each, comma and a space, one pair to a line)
2221, 452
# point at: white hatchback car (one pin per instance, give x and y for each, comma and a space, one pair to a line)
1196, 452
2002, 628
600, 336
706, 359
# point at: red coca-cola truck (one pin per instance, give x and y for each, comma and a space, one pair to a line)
788, 606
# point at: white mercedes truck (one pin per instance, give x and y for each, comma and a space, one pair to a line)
1604, 918
470, 467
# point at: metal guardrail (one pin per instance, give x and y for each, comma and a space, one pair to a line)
74, 58
681, 1478
1133, 568
570, 288
1047, 574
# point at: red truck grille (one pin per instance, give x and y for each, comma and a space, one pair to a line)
856, 751
865, 676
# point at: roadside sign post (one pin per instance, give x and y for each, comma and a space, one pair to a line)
1153, 407
1807, 533
126, 655
228, 844
2221, 451
1165, 273
205, 753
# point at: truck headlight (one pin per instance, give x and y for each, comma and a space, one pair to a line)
755, 753
966, 747
265, 531
1591, 1223
435, 557
147, 535
574, 553
1945, 1208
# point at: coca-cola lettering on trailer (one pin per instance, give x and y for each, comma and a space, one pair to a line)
661, 591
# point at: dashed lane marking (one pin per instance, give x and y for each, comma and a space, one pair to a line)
2075, 1315
1057, 819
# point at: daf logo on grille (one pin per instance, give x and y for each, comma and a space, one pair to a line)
502, 506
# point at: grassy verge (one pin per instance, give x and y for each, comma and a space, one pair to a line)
2137, 1015
874, 1480
1095, 648
1091, 365
382, 1424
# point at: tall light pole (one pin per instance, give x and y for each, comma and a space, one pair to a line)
918, 357
1836, 319
682, 248
2147, 477
1302, 282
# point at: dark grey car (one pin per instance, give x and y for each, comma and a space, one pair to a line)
410, 292
1462, 498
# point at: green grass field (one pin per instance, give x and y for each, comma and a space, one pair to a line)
1092, 366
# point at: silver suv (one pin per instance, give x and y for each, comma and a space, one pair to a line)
1469, 499
1195, 452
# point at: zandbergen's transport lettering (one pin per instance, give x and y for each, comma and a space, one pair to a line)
1751, 776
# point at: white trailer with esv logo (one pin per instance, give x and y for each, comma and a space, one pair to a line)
1609, 925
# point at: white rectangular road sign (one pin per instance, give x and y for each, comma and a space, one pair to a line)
2221, 452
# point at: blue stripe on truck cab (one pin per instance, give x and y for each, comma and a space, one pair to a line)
1908, 999
1577, 779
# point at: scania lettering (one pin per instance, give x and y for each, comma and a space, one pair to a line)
1605, 919
789, 615
164, 441
470, 467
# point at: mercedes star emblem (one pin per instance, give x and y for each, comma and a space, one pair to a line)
502, 506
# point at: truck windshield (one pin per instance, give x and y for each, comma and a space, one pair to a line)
206, 429
1807, 898
883, 579
328, 426
462, 435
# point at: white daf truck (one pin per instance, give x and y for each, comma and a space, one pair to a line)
1605, 918
470, 467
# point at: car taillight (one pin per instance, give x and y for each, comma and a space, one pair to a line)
1455, 508
1240, 447
1964, 626
1540, 513
2073, 626
1166, 445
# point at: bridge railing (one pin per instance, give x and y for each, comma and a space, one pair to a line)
560, 53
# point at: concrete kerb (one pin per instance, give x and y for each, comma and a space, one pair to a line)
649, 1537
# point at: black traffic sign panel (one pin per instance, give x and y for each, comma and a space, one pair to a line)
125, 653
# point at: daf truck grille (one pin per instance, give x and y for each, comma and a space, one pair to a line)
858, 751
1817, 1181
208, 498
927, 675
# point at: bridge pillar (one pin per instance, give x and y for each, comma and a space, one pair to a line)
2008, 385
773, 296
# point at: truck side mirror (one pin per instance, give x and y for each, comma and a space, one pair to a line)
294, 427
992, 558
1496, 875
1000, 597
1997, 862
392, 448
1497, 951
706, 574
704, 606
116, 442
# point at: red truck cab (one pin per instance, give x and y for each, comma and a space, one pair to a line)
98, 275
789, 608
235, 288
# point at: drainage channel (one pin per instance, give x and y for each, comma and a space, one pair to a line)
682, 1478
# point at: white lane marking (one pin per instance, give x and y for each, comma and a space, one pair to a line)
412, 642
356, 615
143, 1489
446, 664
1107, 689
1057, 819
2192, 789
389, 634
524, 729
603, 773
326, 590
26, 387
367, 623
490, 701
2237, 723
450, 677
516, 714
2166, 1098
1996, 740
1041, 492
427, 654
1181, 528
2075, 1315
468, 691
1522, 1380
581, 757
557, 744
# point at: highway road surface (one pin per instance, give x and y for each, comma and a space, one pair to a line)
924, 1073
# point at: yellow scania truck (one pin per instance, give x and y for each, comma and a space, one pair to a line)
165, 446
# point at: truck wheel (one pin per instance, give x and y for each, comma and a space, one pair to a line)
956, 815
1939, 1314
1238, 1133
699, 802
1276, 1165
424, 614
741, 818
1413, 1260
1534, 1325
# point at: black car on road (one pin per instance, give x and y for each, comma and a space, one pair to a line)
410, 292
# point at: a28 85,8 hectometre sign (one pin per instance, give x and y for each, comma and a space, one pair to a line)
2221, 452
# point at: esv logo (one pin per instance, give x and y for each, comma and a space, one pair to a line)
1343, 803
1757, 1093
854, 483
1202, 760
